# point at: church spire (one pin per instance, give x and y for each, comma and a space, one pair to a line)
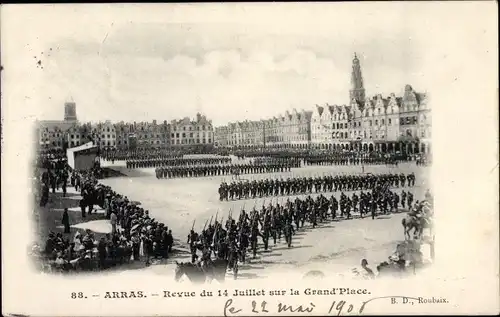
357, 89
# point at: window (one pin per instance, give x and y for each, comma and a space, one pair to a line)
376, 122
177, 135
183, 135
382, 122
422, 134
370, 123
389, 121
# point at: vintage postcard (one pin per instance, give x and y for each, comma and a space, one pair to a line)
250, 159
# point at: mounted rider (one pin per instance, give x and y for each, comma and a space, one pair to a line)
206, 259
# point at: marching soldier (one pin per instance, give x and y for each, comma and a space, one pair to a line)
192, 241
403, 199
288, 232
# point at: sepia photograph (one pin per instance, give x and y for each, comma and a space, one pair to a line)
217, 150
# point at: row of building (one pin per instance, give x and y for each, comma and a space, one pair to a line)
388, 124
378, 123
68, 133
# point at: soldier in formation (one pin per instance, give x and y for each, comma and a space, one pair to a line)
220, 170
304, 185
295, 162
164, 162
234, 239
351, 160
139, 154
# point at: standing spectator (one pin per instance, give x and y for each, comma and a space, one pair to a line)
45, 195
50, 245
170, 241
77, 182
106, 206
101, 248
164, 242
53, 181
91, 199
113, 220
83, 205
65, 220
136, 244
148, 247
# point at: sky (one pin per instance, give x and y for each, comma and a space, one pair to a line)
230, 62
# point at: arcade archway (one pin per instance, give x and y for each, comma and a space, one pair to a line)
383, 148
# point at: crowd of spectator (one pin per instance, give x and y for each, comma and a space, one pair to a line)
134, 236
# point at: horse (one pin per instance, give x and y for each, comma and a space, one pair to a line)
409, 223
199, 274
417, 224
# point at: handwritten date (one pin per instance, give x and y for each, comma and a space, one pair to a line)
263, 307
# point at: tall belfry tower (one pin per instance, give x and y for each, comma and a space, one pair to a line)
70, 110
357, 89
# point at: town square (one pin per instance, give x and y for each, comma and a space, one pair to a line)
335, 184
